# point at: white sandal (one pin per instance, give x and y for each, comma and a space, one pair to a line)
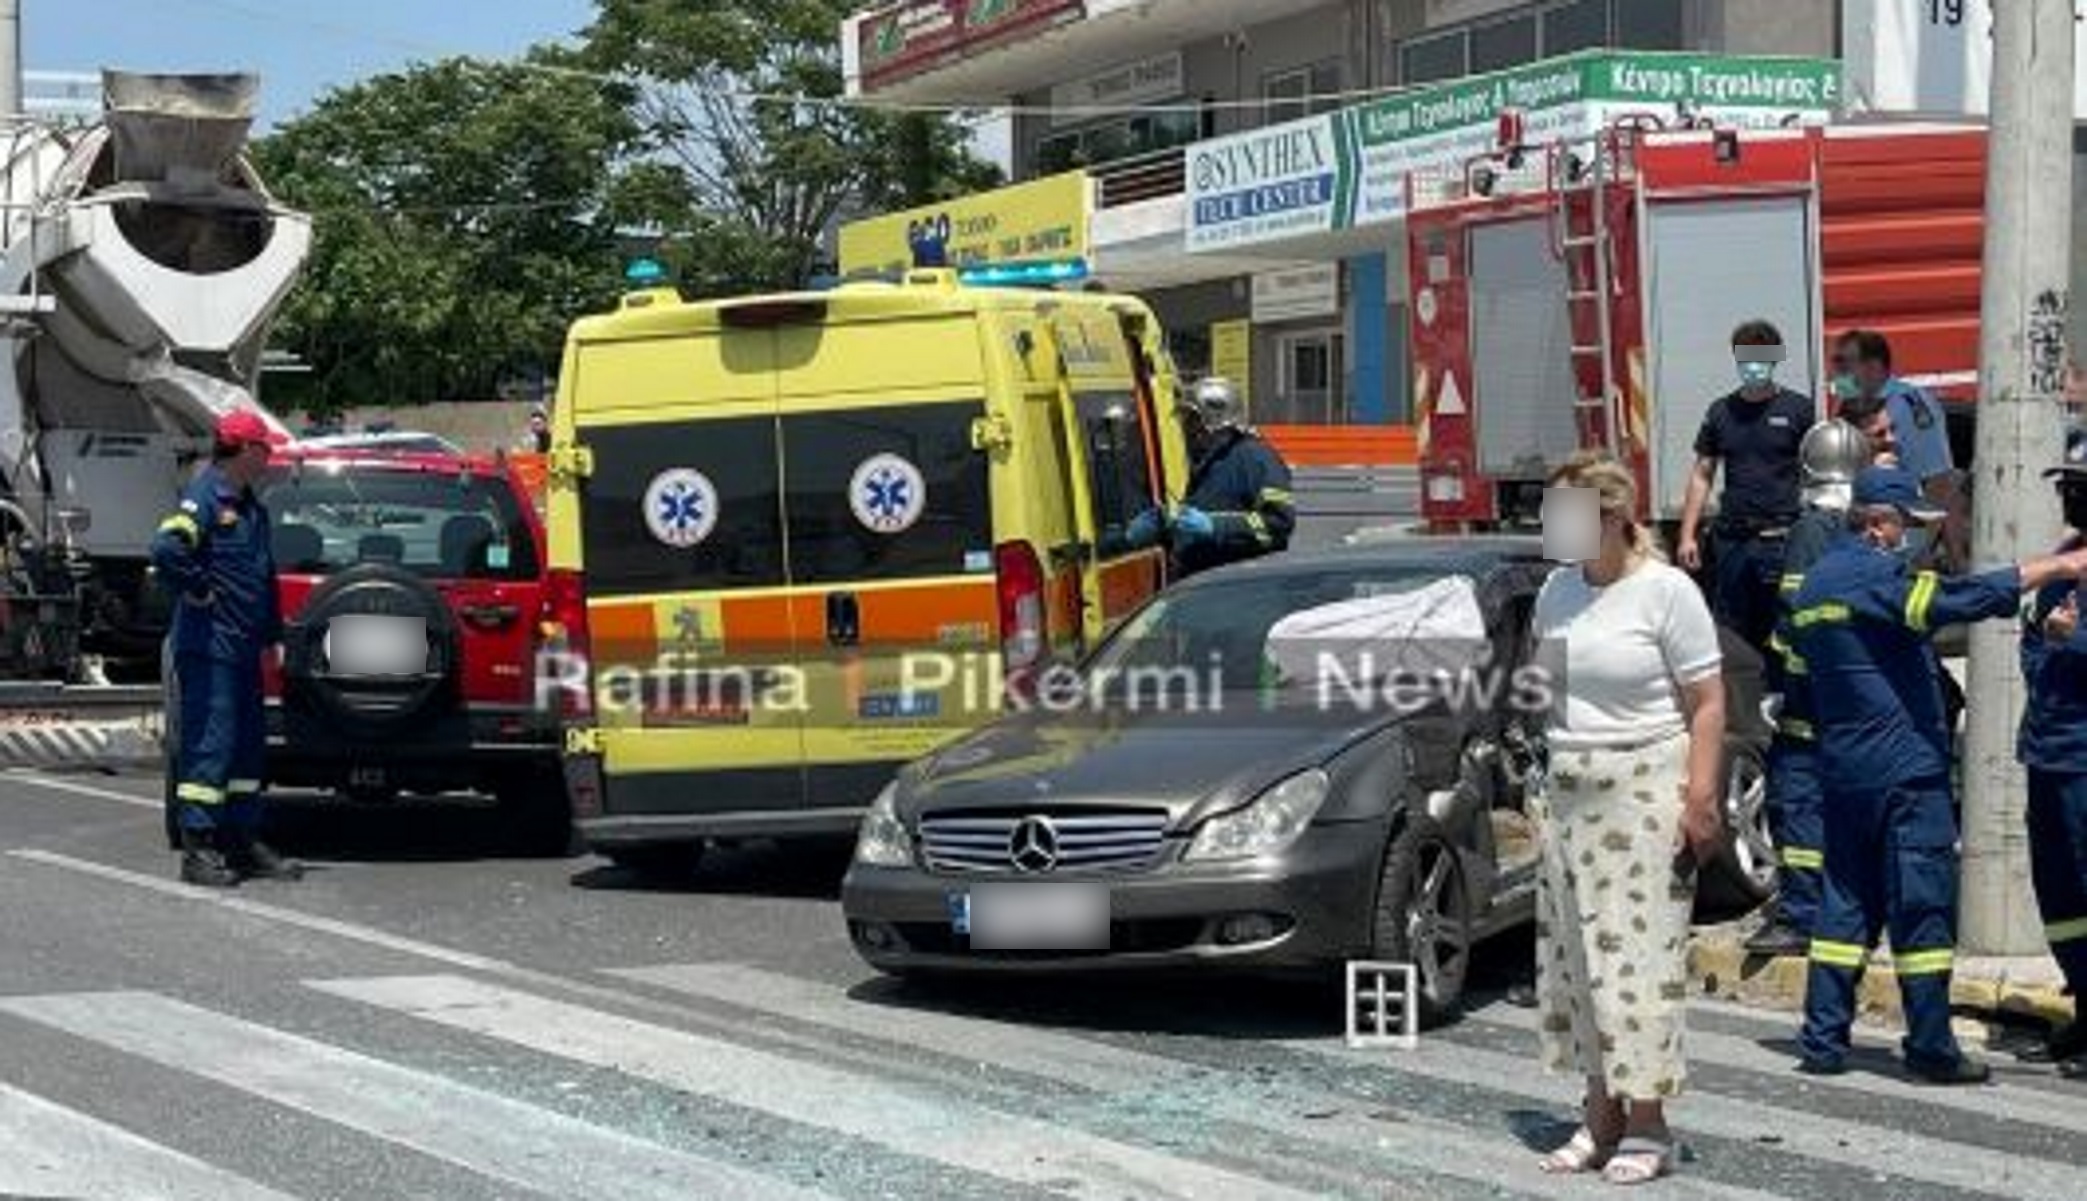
1579, 1154
1639, 1160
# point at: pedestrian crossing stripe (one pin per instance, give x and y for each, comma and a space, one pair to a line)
526, 1146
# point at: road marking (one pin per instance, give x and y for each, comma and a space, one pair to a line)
1429, 1144
483, 1132
290, 917
2017, 1105
47, 1150
1021, 1150
1841, 1142
155, 804
1043, 1053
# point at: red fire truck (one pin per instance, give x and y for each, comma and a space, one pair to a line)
1583, 294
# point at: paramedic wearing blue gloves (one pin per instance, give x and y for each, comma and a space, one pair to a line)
2053, 746
1861, 622
213, 556
1238, 505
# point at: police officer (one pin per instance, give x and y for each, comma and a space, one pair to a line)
2053, 746
1239, 504
1861, 622
213, 555
1863, 368
1832, 454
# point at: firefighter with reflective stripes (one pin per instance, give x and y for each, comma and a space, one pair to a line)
1862, 621
2053, 746
1238, 504
213, 556
1830, 456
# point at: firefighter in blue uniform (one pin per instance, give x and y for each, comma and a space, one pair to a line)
213, 556
1238, 504
2053, 746
1861, 622
1830, 456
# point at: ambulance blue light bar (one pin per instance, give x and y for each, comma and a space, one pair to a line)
1025, 275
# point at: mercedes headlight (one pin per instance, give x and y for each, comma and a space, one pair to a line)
1273, 821
882, 841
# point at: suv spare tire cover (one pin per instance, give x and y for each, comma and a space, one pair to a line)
378, 703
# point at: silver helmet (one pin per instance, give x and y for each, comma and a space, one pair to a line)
1832, 454
1216, 400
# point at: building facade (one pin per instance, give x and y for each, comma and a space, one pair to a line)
1244, 160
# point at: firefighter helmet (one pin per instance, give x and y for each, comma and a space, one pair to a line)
1831, 455
1216, 400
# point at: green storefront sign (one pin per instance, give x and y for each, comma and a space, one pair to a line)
1435, 131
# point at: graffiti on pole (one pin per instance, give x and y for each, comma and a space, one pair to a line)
2047, 343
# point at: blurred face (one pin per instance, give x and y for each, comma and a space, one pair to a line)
1573, 524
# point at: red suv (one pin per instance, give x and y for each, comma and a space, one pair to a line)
415, 603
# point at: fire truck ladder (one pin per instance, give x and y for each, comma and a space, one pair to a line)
22, 218
1581, 168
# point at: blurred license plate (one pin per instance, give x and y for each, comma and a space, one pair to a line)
367, 644
1033, 917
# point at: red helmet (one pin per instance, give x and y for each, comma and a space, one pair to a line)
243, 427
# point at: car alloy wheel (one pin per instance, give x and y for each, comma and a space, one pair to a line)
1747, 818
1423, 915
1438, 932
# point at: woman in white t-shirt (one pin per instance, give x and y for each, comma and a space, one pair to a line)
1627, 806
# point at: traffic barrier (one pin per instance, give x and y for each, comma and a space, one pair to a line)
50, 726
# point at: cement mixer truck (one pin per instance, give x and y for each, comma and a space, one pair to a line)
143, 261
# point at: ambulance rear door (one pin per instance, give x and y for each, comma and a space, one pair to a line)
695, 654
890, 541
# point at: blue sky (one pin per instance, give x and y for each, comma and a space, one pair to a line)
300, 48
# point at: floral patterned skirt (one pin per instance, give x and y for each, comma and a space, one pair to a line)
1613, 917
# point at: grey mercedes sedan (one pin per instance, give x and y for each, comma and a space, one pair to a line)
1277, 766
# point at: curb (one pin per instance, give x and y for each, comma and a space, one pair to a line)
2006, 991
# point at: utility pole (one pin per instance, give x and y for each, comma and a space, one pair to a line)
10, 58
2022, 359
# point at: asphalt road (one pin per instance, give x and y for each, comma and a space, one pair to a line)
421, 1019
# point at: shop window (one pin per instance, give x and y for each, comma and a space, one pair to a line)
1430, 59
1503, 44
1109, 141
1303, 92
1580, 25
1651, 25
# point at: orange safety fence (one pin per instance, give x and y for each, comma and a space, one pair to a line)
1344, 445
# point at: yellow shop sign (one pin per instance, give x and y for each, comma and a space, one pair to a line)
1044, 221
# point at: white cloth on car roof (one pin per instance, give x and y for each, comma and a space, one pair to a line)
1416, 634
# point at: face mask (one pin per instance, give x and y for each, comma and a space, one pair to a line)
1753, 375
1845, 387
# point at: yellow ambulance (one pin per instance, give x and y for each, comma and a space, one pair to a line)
799, 540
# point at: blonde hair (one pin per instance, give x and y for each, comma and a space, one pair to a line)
1617, 491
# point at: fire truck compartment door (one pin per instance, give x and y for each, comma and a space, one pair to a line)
1521, 351
1715, 264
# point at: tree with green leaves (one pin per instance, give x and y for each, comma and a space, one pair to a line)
754, 163
464, 213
